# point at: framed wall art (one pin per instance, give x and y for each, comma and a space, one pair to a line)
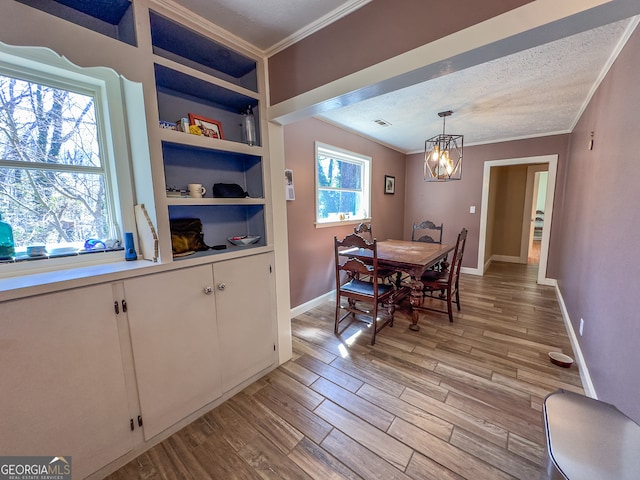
210, 128
389, 184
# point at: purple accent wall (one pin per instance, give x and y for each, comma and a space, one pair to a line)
449, 202
376, 32
311, 258
599, 232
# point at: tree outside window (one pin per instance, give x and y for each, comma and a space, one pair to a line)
53, 184
342, 185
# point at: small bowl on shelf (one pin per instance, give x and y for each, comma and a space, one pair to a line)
560, 359
244, 240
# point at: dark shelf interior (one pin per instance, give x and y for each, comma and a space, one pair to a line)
113, 18
184, 165
220, 222
201, 52
190, 87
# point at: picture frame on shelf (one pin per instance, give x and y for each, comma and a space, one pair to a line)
210, 128
389, 184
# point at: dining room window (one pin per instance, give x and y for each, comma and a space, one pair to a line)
343, 185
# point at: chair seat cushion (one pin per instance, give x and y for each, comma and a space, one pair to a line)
434, 276
365, 288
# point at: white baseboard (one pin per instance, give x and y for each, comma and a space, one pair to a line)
587, 384
505, 258
305, 307
470, 271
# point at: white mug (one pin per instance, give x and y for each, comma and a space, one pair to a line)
196, 190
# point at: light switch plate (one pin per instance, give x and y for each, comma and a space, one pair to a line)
472, 209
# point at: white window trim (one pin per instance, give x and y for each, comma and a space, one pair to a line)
347, 155
109, 89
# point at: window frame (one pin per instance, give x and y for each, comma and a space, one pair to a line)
109, 90
347, 156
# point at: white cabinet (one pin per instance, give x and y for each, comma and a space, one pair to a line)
63, 386
197, 333
80, 366
246, 316
174, 336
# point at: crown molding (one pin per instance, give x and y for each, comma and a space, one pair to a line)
200, 24
319, 24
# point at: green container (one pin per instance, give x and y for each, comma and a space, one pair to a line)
7, 246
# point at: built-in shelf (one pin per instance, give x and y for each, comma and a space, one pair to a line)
174, 41
186, 201
180, 94
186, 164
222, 221
113, 18
197, 75
199, 141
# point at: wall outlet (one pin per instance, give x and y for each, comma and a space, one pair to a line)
581, 326
472, 209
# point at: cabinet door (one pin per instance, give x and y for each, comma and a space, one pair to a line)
63, 389
175, 344
246, 317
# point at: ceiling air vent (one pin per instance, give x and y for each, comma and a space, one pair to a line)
382, 123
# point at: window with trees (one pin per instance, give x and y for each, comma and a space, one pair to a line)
343, 182
53, 184
65, 163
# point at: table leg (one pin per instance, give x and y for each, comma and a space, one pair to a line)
415, 300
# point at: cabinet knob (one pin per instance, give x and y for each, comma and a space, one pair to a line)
222, 286
208, 290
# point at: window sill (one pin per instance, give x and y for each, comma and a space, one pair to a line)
12, 288
351, 221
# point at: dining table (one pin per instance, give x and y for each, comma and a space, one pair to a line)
412, 259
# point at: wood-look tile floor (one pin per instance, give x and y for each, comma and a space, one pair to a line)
452, 401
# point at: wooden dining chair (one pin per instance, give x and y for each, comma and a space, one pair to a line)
386, 275
446, 283
350, 272
364, 230
431, 233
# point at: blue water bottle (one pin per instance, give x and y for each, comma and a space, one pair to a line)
7, 245
129, 247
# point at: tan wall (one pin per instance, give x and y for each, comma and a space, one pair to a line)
311, 259
376, 32
509, 208
449, 202
598, 228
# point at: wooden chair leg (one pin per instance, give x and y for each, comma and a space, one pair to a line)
374, 324
391, 310
449, 306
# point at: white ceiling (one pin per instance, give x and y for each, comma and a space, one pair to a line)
535, 92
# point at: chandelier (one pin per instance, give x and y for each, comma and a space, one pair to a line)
443, 155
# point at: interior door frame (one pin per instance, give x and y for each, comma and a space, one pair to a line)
552, 162
528, 216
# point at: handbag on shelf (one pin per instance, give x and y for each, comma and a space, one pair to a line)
187, 236
228, 190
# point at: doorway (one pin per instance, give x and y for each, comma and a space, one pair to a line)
533, 214
548, 162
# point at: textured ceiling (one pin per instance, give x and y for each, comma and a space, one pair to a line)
540, 91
